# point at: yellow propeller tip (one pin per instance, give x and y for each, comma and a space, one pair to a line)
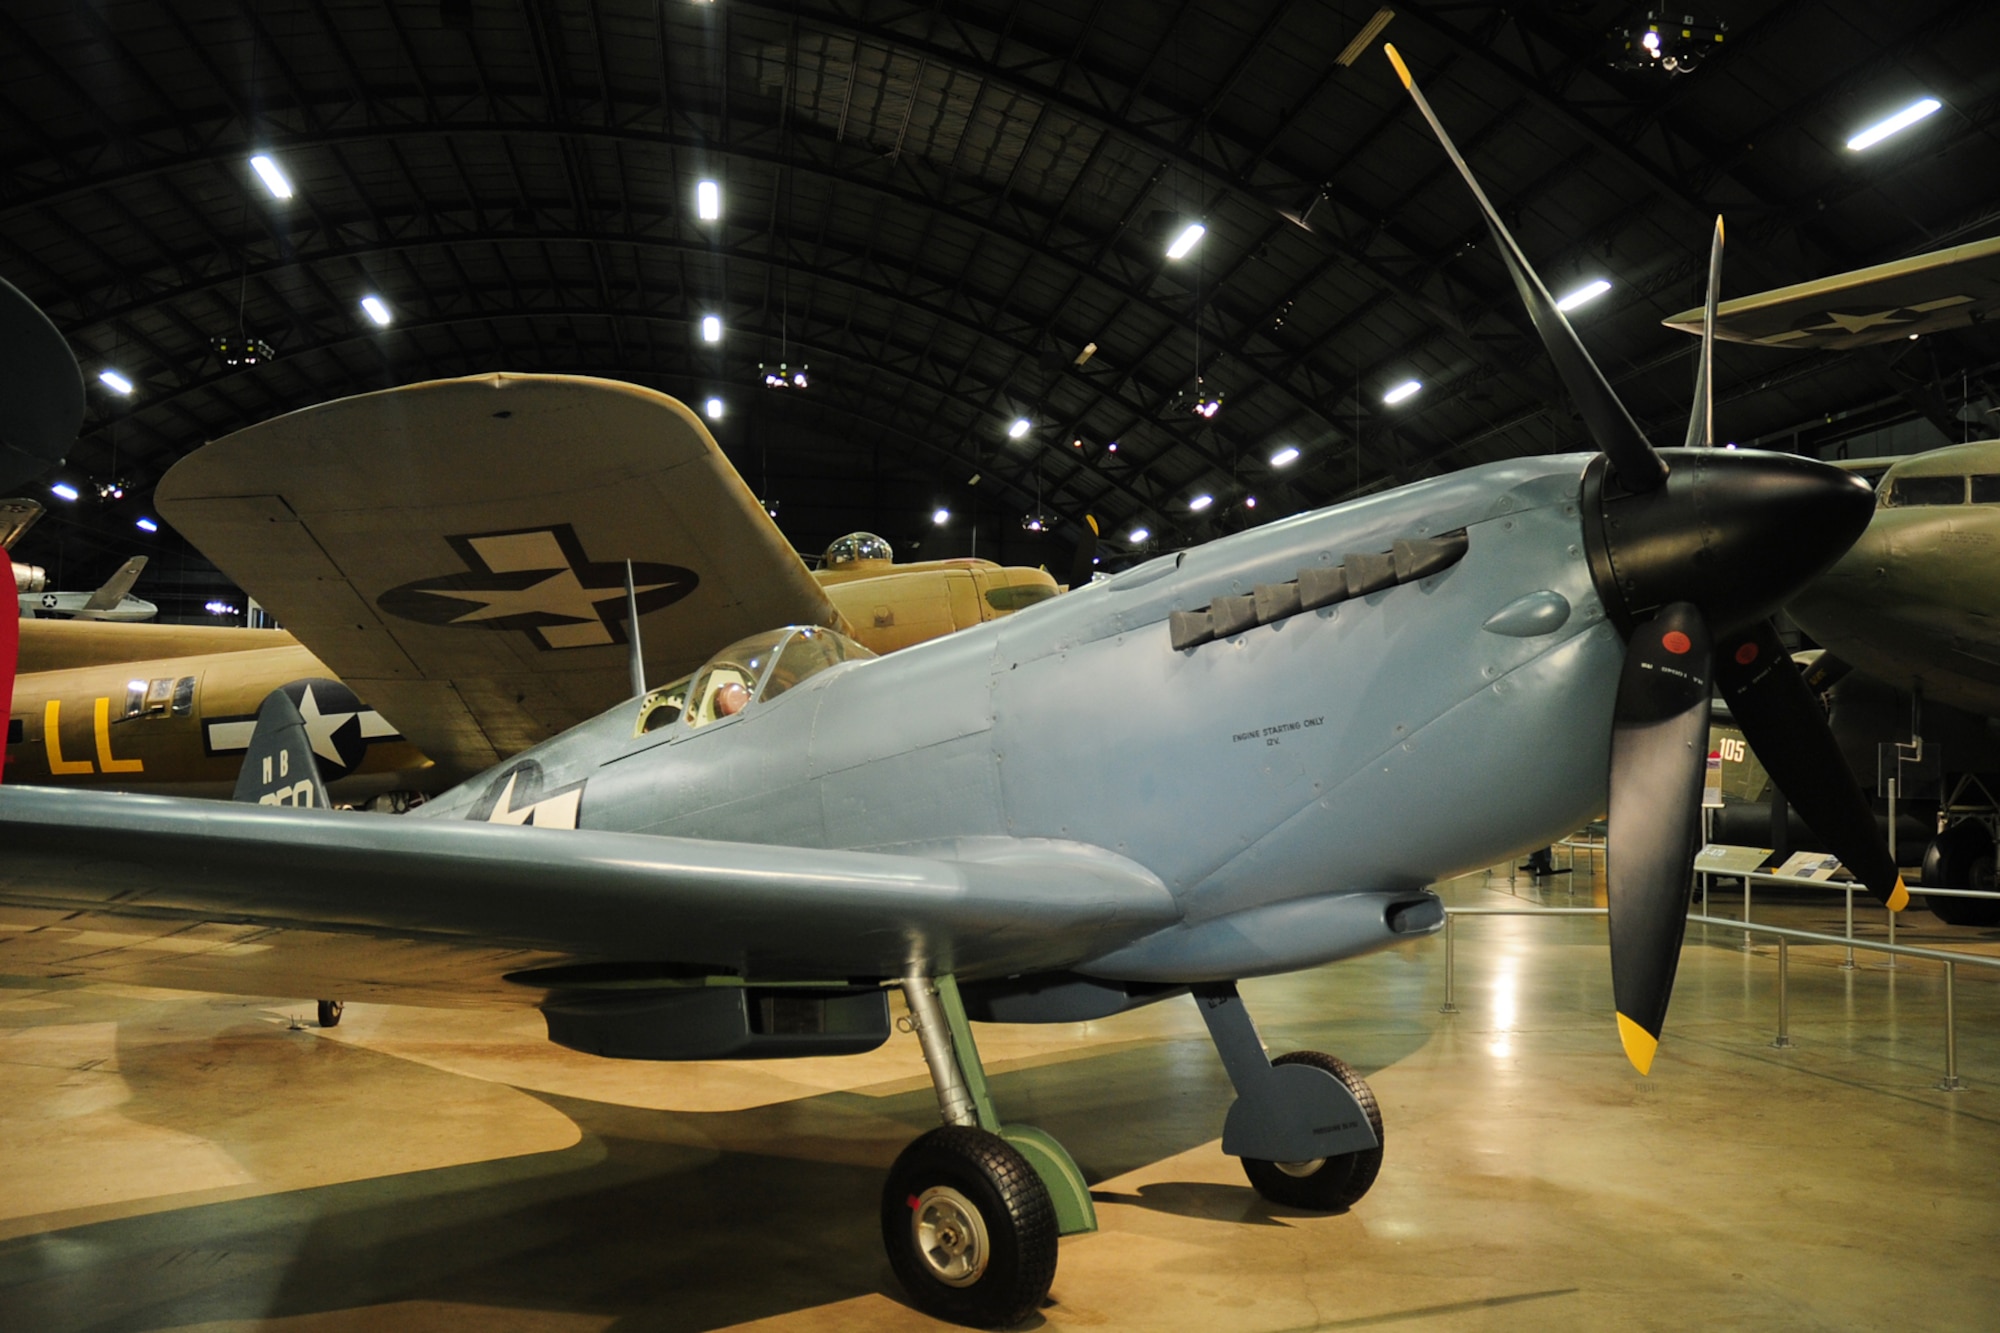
1402, 70
1639, 1044
1899, 897
1718, 225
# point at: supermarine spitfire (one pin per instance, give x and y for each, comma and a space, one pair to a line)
1215, 765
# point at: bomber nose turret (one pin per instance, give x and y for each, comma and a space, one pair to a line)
1734, 533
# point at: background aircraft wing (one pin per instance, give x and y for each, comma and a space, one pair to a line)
1946, 289
16, 517
113, 592
271, 901
455, 551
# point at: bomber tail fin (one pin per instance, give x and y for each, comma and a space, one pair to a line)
279, 768
113, 592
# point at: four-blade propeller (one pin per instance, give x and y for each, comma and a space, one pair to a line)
1691, 555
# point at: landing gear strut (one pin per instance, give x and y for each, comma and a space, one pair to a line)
1306, 1125
971, 1211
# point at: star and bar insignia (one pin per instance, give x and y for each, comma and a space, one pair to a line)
538, 581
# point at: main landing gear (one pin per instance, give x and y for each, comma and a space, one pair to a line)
971, 1211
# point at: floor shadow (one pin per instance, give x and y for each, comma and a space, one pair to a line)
1201, 1199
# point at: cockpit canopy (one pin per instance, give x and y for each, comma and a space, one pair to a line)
858, 548
752, 670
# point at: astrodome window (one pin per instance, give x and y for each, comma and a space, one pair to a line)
856, 548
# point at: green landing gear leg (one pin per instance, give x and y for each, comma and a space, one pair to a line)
971, 1211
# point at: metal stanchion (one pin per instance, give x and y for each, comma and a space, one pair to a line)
1746, 912
1784, 1037
1848, 966
1950, 1083
1890, 960
1448, 1007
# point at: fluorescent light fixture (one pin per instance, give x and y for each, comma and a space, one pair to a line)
708, 200
1139, 535
1201, 502
62, 490
1020, 427
272, 176
1584, 295
1285, 457
715, 409
1407, 389
1186, 241
711, 328
115, 382
147, 525
940, 516
377, 311
1902, 120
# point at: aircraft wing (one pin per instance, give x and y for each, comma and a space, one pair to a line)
16, 517
264, 900
113, 592
1946, 289
455, 551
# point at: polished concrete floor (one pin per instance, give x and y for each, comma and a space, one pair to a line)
181, 1161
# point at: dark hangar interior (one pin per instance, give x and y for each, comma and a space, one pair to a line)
955, 218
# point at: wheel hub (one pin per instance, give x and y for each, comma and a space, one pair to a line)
1300, 1169
950, 1235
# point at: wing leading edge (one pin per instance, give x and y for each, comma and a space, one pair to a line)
508, 898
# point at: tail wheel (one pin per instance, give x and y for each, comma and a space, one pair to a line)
329, 1013
1962, 857
1324, 1184
969, 1227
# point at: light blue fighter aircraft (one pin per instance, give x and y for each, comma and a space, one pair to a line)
1241, 759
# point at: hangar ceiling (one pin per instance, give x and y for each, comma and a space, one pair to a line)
939, 208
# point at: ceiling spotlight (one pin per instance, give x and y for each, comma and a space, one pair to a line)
1584, 295
1674, 43
1112, 447
1407, 389
273, 177
708, 200
782, 376
711, 328
771, 507
1020, 427
219, 608
1902, 120
62, 490
240, 349
1285, 457
147, 525
1249, 502
1139, 535
376, 310
110, 490
1207, 405
115, 382
1201, 502
714, 409
940, 516
1037, 522
1186, 241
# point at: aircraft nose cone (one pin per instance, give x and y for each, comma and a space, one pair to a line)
1736, 533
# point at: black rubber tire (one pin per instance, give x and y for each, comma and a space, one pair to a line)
1339, 1182
1013, 1205
329, 1013
1962, 857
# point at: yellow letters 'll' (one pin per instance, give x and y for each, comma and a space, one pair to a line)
52, 741
105, 762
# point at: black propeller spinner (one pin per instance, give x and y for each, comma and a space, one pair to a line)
1691, 551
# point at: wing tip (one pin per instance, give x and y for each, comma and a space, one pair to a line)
1899, 897
1402, 70
1639, 1045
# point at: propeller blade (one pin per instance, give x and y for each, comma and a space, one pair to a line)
1783, 723
1086, 552
1638, 465
1701, 420
1659, 752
